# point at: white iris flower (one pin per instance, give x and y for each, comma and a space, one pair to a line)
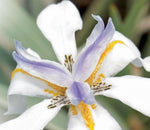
77, 79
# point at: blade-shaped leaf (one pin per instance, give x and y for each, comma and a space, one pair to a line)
16, 23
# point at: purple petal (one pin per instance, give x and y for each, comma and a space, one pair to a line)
98, 29
80, 92
44, 69
89, 56
23, 52
89, 99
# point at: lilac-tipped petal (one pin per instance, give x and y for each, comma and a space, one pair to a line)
29, 54
98, 29
89, 56
44, 69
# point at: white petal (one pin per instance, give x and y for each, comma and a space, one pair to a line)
30, 51
58, 22
23, 85
128, 42
120, 56
131, 90
103, 121
34, 118
76, 122
139, 62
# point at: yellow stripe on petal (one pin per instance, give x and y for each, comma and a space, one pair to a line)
73, 110
60, 90
99, 78
50, 92
103, 56
86, 113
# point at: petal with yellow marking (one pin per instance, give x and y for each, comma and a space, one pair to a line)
85, 111
90, 54
108, 49
88, 119
24, 84
50, 87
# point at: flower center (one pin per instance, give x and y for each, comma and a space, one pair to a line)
80, 92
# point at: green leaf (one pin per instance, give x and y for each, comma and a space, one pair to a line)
3, 104
16, 23
33, 7
116, 109
133, 17
6, 66
3, 95
60, 122
115, 15
98, 7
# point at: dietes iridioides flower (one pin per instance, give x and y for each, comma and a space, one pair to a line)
77, 80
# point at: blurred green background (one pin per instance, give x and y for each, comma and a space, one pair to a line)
18, 21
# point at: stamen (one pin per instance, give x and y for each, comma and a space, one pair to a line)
59, 100
69, 62
102, 57
59, 89
86, 114
99, 87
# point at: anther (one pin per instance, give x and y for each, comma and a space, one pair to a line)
68, 62
99, 87
59, 100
